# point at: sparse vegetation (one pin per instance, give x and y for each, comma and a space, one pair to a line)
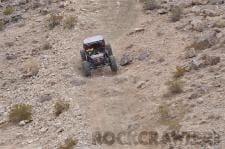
54, 20
175, 87
19, 112
8, 11
60, 107
199, 45
150, 4
69, 143
1, 25
30, 68
46, 46
171, 116
180, 71
176, 13
70, 22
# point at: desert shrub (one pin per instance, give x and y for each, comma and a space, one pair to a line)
30, 68
19, 112
176, 13
8, 10
60, 107
70, 22
1, 25
150, 4
46, 46
68, 144
175, 87
199, 45
54, 20
180, 71
171, 116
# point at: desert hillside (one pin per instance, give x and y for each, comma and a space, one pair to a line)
171, 77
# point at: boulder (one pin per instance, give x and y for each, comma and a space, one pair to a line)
126, 59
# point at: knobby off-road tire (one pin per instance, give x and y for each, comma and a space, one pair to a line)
86, 68
113, 64
83, 55
109, 49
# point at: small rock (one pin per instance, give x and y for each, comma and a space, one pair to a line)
190, 53
198, 25
141, 84
200, 100
120, 79
60, 130
162, 11
126, 60
77, 82
10, 56
23, 122
211, 60
43, 130
45, 98
143, 55
219, 23
9, 44
195, 64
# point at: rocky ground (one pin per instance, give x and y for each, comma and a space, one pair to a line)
171, 74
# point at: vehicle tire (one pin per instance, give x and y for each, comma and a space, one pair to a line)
86, 68
109, 49
83, 55
113, 64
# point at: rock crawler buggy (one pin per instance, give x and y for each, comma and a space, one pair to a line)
96, 54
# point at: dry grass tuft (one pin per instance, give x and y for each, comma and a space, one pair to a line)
176, 13
30, 68
171, 116
8, 11
19, 112
1, 25
54, 20
69, 143
175, 87
150, 4
70, 22
60, 107
180, 71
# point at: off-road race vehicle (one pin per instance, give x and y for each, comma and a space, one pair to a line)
96, 54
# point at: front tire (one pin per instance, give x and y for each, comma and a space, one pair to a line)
86, 68
83, 55
113, 64
109, 49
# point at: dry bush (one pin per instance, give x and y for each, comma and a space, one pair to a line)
19, 112
150, 4
180, 71
69, 143
30, 68
46, 46
199, 45
1, 25
8, 10
60, 107
171, 116
176, 13
70, 22
54, 20
175, 87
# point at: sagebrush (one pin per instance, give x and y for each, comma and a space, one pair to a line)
19, 112
60, 107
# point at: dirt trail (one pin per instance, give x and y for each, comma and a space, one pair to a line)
117, 20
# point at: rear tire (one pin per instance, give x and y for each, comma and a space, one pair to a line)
113, 64
83, 55
86, 68
109, 49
